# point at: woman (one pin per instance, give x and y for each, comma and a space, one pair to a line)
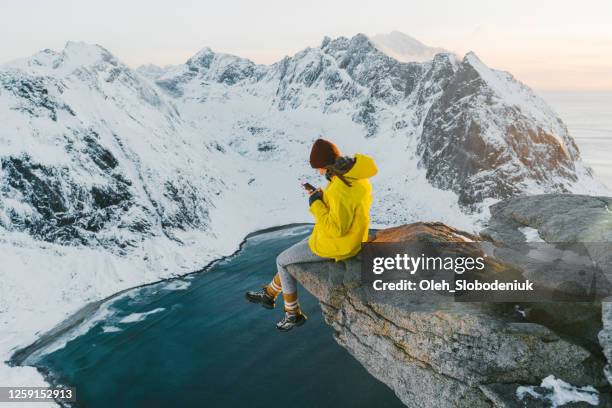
341, 214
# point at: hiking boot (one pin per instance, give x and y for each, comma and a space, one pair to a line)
261, 297
290, 321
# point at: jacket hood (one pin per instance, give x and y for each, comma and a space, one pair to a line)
363, 168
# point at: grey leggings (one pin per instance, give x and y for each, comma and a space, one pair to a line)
298, 253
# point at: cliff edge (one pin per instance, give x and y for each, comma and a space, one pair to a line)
449, 354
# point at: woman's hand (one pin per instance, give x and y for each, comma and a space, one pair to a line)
315, 195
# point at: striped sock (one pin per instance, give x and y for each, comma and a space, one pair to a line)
292, 306
274, 287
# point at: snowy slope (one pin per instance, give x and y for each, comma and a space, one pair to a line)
104, 186
112, 177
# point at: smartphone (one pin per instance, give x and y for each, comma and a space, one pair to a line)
308, 186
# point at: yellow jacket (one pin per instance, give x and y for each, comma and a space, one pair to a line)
342, 217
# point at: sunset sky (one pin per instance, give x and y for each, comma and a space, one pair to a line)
547, 44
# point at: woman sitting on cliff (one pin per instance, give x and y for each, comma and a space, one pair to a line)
341, 213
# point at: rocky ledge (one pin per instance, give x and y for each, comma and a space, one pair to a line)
449, 354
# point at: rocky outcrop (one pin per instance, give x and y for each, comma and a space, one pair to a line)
556, 217
448, 354
564, 218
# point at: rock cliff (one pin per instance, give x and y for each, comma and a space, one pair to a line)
448, 354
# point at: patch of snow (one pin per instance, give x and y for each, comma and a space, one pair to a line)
110, 329
138, 317
510, 91
518, 309
559, 393
177, 284
531, 234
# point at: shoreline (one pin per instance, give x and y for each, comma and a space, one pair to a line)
20, 356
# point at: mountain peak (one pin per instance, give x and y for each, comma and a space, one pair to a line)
205, 57
87, 54
82, 45
360, 37
362, 41
473, 59
202, 58
359, 42
75, 55
491, 76
204, 51
404, 47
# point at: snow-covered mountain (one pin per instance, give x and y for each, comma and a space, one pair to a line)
111, 177
405, 48
477, 131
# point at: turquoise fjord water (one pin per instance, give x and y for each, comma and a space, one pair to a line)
198, 343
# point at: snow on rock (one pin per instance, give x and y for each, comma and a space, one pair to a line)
559, 393
531, 234
489, 136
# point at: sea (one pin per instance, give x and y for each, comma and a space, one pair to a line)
588, 116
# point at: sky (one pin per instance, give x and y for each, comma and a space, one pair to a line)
547, 44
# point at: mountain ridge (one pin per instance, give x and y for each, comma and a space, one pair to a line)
349, 77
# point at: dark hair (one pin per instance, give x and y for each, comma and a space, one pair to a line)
340, 167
